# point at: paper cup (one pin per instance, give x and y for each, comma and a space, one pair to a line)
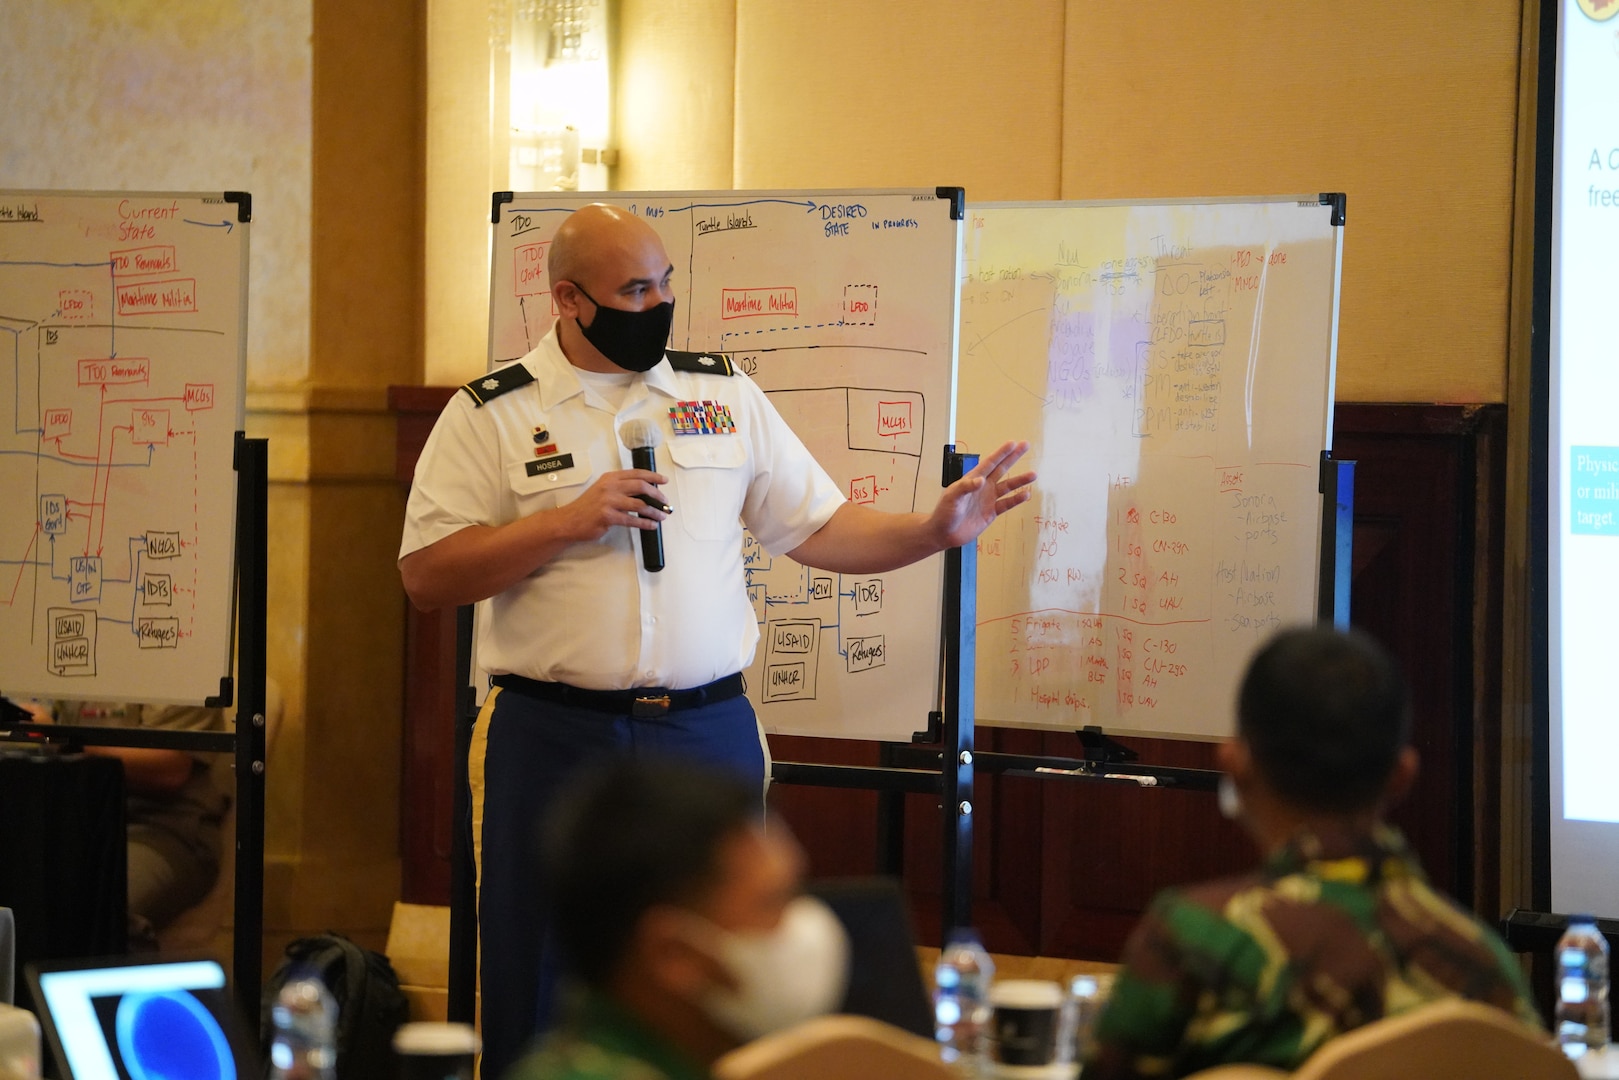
1027, 1016
436, 1051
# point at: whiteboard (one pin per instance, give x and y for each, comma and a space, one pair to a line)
842, 307
1172, 365
122, 320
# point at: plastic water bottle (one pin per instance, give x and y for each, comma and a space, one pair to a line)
305, 1020
1582, 987
961, 999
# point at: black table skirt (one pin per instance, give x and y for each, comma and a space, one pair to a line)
62, 856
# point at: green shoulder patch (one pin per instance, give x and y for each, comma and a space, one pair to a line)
701, 363
487, 388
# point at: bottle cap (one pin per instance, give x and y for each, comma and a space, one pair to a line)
434, 1038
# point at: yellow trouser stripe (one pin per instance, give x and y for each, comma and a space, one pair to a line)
476, 754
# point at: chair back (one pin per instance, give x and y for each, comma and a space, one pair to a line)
1447, 1040
836, 1048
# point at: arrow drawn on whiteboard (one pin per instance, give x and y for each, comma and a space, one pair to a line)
1253, 347
809, 206
226, 225
981, 341
523, 309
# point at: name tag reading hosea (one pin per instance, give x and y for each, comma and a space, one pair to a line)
550, 464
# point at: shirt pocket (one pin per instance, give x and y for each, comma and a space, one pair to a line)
711, 482
550, 489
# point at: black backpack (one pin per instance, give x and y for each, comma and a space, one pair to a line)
370, 1005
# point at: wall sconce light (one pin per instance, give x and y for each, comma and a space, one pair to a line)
560, 118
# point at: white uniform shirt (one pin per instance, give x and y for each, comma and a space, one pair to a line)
592, 617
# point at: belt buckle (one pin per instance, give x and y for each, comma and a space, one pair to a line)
647, 707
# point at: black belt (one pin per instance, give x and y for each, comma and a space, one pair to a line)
642, 701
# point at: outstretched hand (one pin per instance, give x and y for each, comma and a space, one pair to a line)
969, 505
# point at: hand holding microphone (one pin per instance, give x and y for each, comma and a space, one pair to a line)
641, 438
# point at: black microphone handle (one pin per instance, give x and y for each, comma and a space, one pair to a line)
645, 457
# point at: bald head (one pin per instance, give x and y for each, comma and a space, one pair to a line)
604, 257
598, 238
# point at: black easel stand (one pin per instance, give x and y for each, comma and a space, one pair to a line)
252, 567
960, 707
247, 743
944, 769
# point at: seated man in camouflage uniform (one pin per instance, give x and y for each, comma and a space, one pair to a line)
680, 924
1338, 927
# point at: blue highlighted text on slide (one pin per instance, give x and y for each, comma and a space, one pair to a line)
1594, 490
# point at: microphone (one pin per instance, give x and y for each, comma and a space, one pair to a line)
641, 439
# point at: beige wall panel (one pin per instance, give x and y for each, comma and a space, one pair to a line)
286, 657
368, 193
1410, 108
356, 641
175, 95
675, 94
849, 93
456, 238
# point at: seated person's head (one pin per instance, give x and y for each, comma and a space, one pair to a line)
670, 896
1323, 724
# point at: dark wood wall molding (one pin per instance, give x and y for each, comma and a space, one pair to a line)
1065, 868
1429, 536
427, 786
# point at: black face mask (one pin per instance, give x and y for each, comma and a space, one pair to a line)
633, 340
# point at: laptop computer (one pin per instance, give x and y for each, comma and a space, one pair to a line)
134, 1019
885, 978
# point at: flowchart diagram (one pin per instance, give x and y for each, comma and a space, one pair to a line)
799, 608
841, 307
122, 366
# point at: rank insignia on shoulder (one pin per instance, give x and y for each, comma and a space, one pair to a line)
701, 363
701, 418
487, 388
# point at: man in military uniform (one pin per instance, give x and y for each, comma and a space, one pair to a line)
1338, 927
682, 928
521, 497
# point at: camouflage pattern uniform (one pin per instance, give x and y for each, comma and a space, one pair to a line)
600, 1041
1333, 932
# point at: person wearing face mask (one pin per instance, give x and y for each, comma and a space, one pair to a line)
1338, 927
682, 928
522, 497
